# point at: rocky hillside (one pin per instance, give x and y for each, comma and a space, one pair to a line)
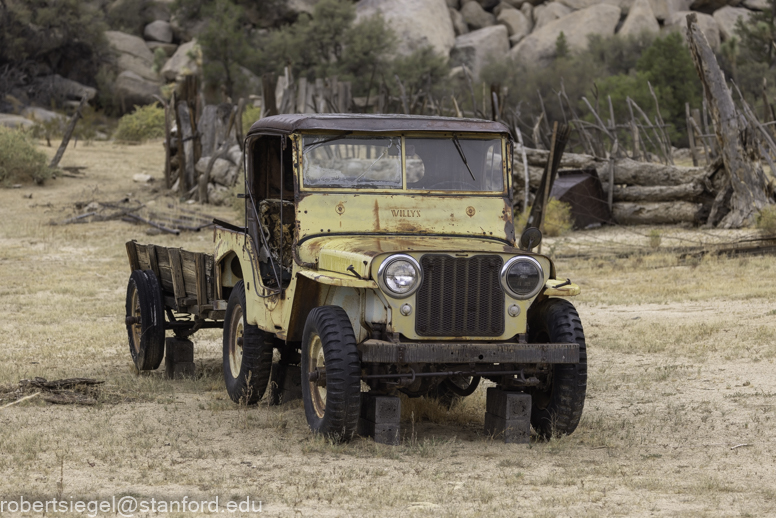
528, 30
156, 47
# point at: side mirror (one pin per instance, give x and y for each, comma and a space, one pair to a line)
530, 239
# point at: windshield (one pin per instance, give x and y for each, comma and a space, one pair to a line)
438, 164
432, 164
352, 162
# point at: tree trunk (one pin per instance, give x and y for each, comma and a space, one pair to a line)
186, 135
68, 133
626, 213
746, 177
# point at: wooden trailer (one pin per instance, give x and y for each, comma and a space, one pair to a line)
169, 289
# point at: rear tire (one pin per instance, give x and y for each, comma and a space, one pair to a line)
247, 352
145, 320
557, 411
332, 403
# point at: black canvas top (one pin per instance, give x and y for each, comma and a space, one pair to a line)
346, 122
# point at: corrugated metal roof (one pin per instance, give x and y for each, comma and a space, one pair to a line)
290, 123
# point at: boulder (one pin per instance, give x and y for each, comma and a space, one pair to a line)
527, 9
539, 46
158, 10
474, 49
235, 155
576, 5
186, 29
301, 6
58, 89
168, 48
549, 13
217, 194
158, 31
706, 23
476, 17
640, 19
223, 172
726, 20
14, 121
142, 178
664, 9
41, 115
131, 90
416, 24
134, 54
453, 4
516, 23
757, 5
459, 25
182, 63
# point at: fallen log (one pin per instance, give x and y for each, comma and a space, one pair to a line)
657, 193
657, 213
626, 171
631, 172
538, 158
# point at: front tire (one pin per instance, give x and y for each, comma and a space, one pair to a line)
331, 373
557, 410
247, 352
145, 320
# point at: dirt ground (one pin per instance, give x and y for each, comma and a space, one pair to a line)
676, 423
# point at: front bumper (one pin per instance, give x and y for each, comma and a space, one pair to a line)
379, 351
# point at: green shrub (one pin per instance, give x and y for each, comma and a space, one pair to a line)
20, 161
250, 115
146, 122
766, 219
557, 219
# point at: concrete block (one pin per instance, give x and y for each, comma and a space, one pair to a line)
383, 433
380, 409
179, 358
508, 405
512, 431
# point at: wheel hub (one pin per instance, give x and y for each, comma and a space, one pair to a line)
236, 344
317, 375
134, 322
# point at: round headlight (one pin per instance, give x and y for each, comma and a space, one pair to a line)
399, 275
522, 277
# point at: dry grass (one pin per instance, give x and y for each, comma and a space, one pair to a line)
681, 363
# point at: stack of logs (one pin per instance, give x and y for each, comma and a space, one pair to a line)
644, 193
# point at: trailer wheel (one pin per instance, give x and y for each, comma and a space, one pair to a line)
331, 373
247, 352
558, 409
145, 320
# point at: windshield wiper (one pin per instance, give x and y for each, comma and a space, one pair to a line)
324, 141
463, 157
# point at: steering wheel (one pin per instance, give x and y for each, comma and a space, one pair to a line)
455, 185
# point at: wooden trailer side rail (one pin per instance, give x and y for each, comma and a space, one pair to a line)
187, 278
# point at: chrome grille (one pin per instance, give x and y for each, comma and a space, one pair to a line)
460, 296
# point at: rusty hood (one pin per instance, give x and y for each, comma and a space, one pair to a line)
337, 254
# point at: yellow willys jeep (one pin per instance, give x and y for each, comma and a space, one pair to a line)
377, 251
